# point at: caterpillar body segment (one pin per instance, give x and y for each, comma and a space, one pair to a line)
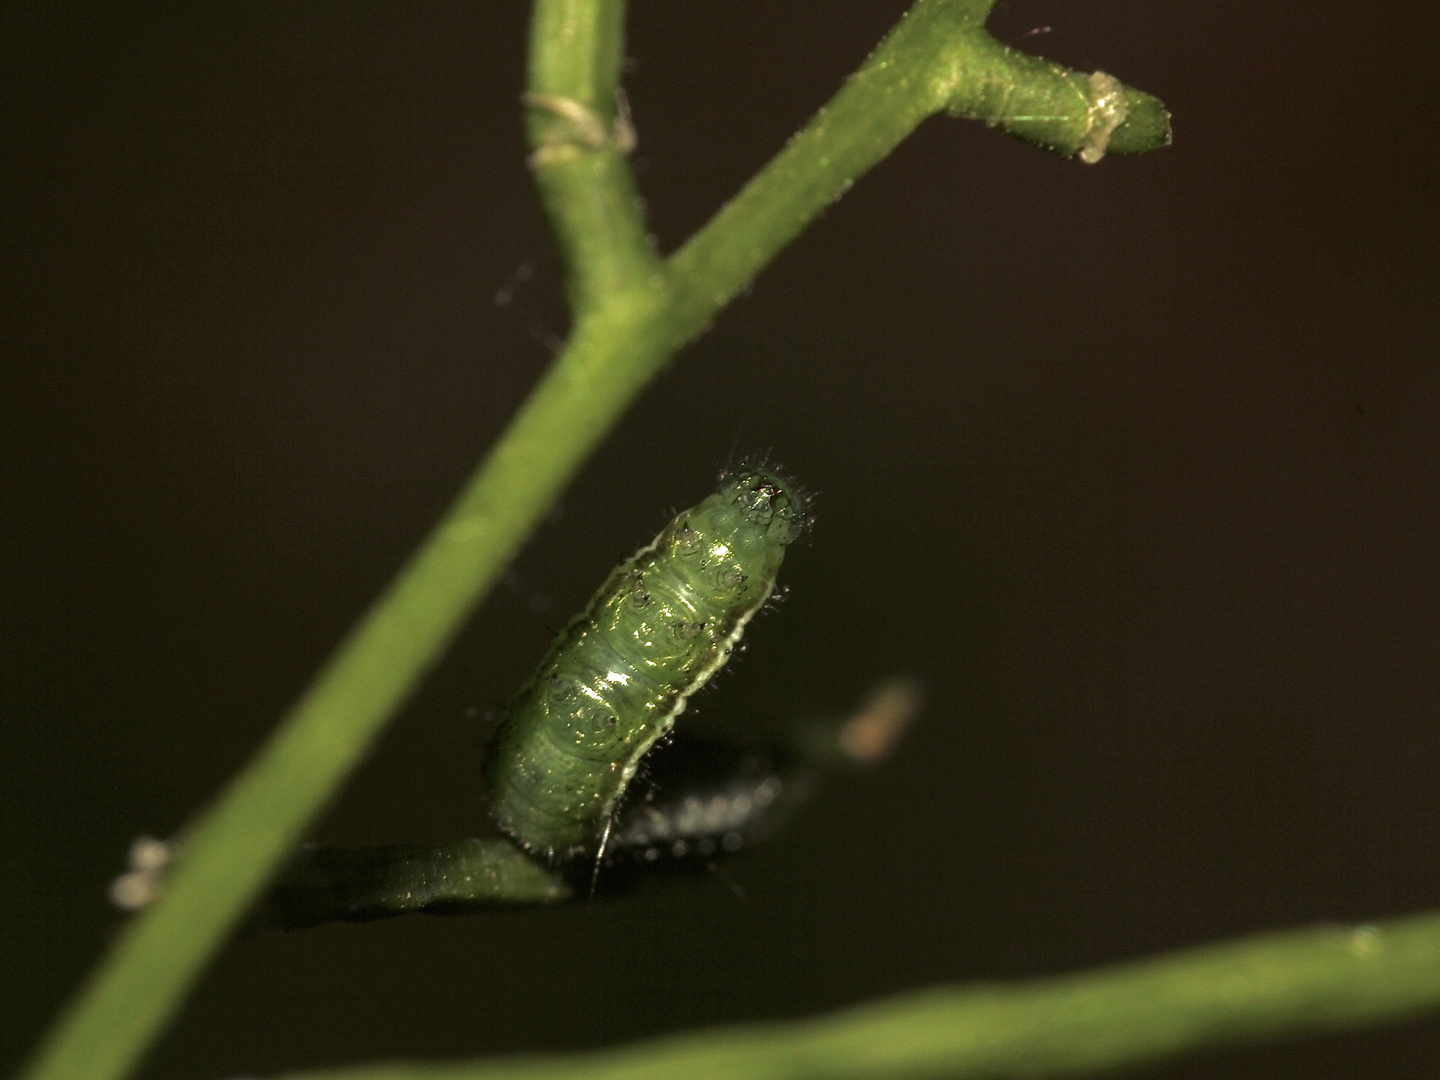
615, 679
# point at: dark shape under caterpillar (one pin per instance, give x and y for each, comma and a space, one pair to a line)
699, 801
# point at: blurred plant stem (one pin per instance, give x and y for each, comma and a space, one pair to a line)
1262, 988
632, 311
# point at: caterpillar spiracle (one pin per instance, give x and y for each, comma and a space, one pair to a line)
612, 684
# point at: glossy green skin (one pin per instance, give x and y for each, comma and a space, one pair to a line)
612, 684
327, 884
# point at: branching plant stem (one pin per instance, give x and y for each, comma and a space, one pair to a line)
632, 311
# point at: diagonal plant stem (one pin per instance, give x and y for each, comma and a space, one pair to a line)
632, 312
1259, 989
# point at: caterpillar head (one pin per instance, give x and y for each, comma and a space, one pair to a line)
769, 500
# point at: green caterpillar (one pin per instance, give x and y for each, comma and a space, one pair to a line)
617, 677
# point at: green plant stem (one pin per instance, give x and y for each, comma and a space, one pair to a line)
632, 313
580, 143
233, 848
1257, 989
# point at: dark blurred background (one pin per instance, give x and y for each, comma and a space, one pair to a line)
1135, 465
